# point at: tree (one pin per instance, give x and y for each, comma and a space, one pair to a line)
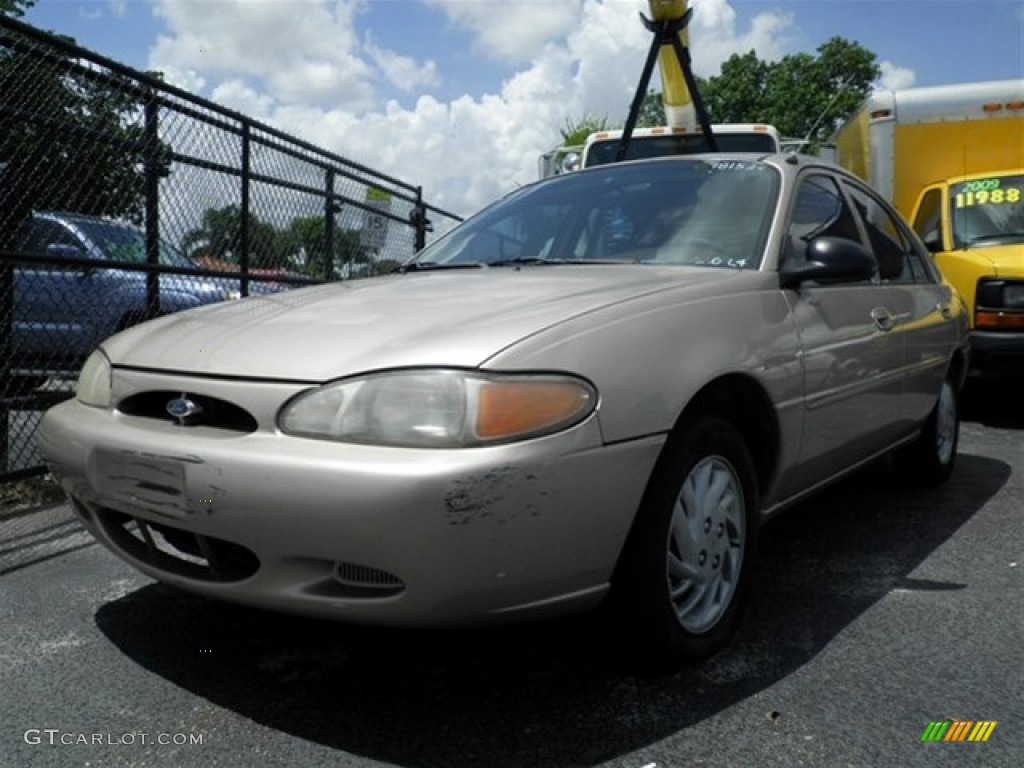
74, 138
652, 111
574, 133
305, 242
15, 8
802, 95
220, 238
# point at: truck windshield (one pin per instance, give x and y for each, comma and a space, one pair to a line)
988, 211
643, 147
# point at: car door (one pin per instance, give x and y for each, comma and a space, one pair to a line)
850, 358
918, 300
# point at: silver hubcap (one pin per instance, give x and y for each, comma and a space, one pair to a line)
705, 544
945, 424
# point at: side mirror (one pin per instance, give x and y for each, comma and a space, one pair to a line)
830, 260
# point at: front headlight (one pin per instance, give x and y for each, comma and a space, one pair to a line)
1013, 295
93, 386
439, 408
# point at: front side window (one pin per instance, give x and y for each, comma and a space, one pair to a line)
694, 212
819, 210
928, 219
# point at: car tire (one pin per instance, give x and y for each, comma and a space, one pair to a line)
682, 581
929, 460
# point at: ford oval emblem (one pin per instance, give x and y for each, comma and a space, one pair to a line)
181, 408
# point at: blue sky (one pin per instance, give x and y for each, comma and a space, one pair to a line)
461, 96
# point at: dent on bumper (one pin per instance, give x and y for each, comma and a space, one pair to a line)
445, 536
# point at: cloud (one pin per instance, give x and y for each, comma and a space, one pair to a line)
310, 71
303, 50
715, 36
516, 31
403, 72
895, 78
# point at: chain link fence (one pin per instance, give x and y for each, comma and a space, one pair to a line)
123, 198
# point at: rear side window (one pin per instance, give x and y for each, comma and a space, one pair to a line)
899, 261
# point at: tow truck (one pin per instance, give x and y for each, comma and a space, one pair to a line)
687, 130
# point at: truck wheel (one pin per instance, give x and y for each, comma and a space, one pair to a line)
929, 460
685, 572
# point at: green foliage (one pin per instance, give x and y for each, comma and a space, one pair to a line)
305, 242
576, 132
72, 141
652, 111
802, 95
219, 237
15, 8
302, 245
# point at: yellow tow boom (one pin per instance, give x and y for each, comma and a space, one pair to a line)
675, 97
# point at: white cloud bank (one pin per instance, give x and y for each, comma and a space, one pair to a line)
304, 67
895, 78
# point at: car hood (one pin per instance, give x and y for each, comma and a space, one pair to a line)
450, 318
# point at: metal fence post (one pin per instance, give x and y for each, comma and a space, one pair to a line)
152, 202
420, 222
6, 319
244, 261
329, 211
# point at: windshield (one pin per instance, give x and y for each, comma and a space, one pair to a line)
693, 211
121, 242
988, 211
667, 145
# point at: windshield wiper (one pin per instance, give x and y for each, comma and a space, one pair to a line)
425, 266
1008, 236
557, 262
520, 261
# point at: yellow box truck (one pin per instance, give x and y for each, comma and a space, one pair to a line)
951, 159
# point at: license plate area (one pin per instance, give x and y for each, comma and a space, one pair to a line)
154, 483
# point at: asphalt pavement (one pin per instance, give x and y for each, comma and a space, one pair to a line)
878, 610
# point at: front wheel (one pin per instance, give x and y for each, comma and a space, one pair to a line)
685, 571
929, 460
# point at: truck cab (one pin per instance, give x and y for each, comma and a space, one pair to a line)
974, 226
601, 147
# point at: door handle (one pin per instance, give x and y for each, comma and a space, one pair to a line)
883, 320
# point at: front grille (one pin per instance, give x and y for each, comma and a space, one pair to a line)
214, 411
176, 551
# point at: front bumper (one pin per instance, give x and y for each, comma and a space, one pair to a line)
997, 353
367, 534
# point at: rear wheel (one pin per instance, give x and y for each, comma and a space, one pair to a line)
685, 572
929, 460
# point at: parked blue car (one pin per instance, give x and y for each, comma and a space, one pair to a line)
62, 312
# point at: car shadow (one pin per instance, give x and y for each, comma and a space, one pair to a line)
547, 694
